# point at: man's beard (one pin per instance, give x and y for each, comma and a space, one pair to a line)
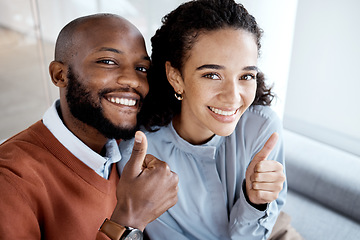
83, 107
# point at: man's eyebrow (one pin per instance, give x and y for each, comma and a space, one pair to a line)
147, 58
110, 49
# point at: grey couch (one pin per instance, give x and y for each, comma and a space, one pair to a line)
324, 189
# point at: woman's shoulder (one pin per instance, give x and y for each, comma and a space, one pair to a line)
260, 111
259, 115
259, 121
256, 126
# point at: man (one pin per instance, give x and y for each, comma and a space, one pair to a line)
56, 177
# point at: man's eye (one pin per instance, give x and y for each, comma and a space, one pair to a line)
247, 77
108, 62
142, 69
212, 76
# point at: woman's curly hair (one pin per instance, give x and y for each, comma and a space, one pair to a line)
173, 41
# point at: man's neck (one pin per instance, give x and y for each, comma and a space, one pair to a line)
87, 134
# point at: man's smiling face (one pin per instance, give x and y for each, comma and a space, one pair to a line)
107, 78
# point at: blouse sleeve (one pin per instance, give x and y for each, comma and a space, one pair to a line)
246, 220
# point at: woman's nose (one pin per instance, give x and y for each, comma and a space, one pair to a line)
231, 90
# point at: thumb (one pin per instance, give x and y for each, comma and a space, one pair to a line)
134, 166
267, 148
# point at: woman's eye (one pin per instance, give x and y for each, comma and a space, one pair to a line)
142, 69
212, 76
108, 62
247, 77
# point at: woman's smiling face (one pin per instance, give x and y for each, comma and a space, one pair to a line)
217, 82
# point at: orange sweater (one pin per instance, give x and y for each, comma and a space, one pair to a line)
47, 193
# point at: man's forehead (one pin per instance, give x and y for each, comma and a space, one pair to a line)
105, 24
107, 28
107, 38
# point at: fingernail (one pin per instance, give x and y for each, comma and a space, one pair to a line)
138, 138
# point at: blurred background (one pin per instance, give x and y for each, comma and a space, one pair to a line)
310, 54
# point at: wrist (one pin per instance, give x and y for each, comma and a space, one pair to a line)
260, 207
116, 231
125, 218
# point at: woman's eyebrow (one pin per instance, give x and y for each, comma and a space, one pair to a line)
217, 67
251, 68
211, 66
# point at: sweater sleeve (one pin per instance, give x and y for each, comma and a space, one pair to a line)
17, 217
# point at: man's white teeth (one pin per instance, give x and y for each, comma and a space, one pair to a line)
122, 101
221, 112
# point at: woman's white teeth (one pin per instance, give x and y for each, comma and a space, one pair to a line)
221, 112
123, 101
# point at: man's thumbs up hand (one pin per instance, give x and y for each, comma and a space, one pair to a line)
147, 188
135, 164
264, 178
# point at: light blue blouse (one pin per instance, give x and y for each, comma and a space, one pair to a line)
211, 202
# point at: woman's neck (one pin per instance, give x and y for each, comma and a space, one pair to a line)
190, 132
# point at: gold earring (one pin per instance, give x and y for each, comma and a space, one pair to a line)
178, 96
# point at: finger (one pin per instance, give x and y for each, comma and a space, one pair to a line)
268, 166
267, 148
268, 187
155, 165
151, 161
261, 197
267, 177
135, 164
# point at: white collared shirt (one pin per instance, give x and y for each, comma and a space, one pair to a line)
101, 165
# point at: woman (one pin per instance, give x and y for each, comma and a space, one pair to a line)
212, 133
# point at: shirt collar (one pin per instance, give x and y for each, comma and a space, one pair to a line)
95, 161
207, 150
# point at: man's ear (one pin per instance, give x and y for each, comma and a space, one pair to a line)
58, 74
174, 77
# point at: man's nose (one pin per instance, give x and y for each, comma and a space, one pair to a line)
130, 78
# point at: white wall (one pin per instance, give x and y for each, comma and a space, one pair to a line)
324, 83
53, 15
277, 19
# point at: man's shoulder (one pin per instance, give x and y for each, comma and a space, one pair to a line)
22, 151
23, 136
33, 135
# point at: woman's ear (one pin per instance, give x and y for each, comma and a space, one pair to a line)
58, 74
174, 77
